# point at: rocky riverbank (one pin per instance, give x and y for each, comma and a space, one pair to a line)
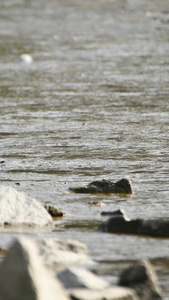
56, 269
25, 273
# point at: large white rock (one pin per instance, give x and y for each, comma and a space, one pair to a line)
24, 277
17, 209
76, 277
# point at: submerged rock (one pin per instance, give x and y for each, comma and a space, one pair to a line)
23, 276
142, 278
122, 186
120, 223
17, 209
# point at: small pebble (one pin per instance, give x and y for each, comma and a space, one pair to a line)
25, 58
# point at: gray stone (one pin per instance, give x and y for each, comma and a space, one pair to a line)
122, 186
76, 277
142, 278
113, 293
23, 276
17, 209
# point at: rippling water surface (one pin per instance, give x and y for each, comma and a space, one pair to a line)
93, 104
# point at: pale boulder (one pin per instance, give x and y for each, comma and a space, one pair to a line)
23, 275
17, 209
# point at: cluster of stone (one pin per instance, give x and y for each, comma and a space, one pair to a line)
54, 269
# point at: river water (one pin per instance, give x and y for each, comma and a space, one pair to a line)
93, 104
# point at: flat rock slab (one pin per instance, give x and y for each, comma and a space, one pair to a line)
17, 209
114, 293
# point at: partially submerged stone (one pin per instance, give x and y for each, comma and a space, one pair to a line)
17, 209
23, 275
120, 223
76, 277
142, 278
53, 210
122, 186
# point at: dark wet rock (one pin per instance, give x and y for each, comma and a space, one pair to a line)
122, 186
23, 275
53, 210
120, 223
119, 212
142, 278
